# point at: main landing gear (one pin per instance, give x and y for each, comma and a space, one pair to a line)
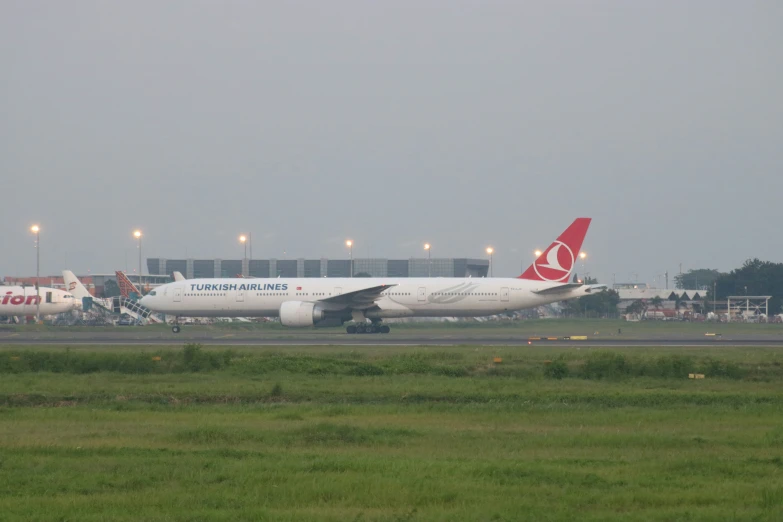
370, 328
175, 328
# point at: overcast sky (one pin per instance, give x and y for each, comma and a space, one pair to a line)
462, 123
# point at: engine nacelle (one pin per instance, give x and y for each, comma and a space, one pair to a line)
300, 314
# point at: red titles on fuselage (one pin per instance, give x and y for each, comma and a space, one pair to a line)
9, 298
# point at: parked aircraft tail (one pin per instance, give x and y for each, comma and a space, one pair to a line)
126, 287
74, 286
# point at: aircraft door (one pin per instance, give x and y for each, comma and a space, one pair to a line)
338, 290
177, 295
422, 293
48, 297
240, 296
504, 294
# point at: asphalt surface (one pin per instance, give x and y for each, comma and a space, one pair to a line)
386, 340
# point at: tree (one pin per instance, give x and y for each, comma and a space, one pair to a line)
656, 302
755, 277
696, 279
111, 288
698, 306
637, 308
597, 304
677, 304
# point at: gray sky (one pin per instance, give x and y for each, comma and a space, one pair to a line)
462, 123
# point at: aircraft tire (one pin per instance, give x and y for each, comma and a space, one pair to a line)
385, 329
175, 329
350, 329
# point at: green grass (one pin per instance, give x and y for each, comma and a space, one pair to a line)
307, 433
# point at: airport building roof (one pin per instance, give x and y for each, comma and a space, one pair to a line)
665, 294
375, 267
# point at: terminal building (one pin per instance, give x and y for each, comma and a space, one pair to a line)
374, 267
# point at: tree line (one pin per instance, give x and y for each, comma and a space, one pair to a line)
753, 278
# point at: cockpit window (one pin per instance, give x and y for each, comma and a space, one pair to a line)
152, 293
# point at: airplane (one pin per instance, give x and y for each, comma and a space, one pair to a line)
79, 291
304, 302
107, 304
20, 301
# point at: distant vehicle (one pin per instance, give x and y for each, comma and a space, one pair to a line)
126, 321
303, 302
20, 301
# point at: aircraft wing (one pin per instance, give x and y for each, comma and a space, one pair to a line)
358, 298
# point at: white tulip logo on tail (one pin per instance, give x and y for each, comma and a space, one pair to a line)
556, 263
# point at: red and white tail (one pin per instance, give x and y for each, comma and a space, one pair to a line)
126, 287
557, 262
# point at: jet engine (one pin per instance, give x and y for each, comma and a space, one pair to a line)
300, 314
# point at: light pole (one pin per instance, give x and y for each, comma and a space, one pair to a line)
490, 250
428, 248
243, 240
714, 295
37, 231
583, 256
137, 235
349, 244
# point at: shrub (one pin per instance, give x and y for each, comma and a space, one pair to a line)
676, 366
194, 359
605, 365
557, 369
713, 368
364, 370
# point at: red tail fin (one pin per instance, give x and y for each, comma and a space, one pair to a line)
557, 262
126, 287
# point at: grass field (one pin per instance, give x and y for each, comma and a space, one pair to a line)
390, 433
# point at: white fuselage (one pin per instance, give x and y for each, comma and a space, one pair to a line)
405, 297
19, 301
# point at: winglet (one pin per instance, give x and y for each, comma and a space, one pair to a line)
557, 262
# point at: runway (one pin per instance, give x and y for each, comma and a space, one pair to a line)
384, 340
